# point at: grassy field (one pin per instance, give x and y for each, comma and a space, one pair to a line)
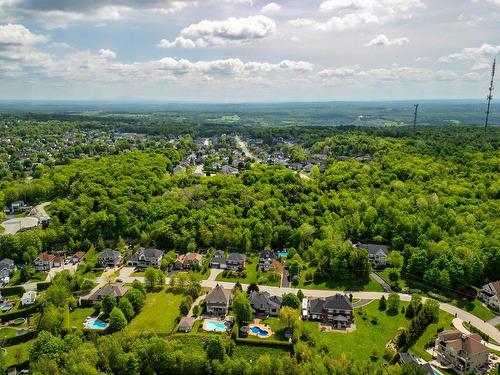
367, 339
158, 314
38, 277
369, 285
17, 354
7, 332
445, 322
253, 352
253, 275
77, 316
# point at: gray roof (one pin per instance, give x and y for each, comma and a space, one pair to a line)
258, 299
148, 253
186, 323
113, 290
374, 248
236, 257
7, 262
336, 302
109, 253
218, 295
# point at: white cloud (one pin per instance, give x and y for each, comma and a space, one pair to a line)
342, 72
107, 54
231, 30
382, 40
295, 39
271, 8
299, 66
356, 13
18, 35
474, 54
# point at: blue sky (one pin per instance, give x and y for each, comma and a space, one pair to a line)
247, 50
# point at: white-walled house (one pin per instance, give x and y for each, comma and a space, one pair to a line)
490, 294
29, 298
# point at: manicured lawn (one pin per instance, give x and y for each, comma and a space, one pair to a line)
17, 354
369, 285
445, 322
77, 316
253, 275
475, 307
158, 314
401, 283
7, 332
253, 352
368, 338
38, 277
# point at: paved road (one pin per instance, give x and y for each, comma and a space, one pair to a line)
459, 324
245, 150
495, 321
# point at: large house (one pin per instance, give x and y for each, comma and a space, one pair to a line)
466, 353
377, 254
45, 261
77, 257
218, 260
116, 291
109, 258
189, 260
234, 261
490, 294
7, 266
29, 298
146, 258
217, 301
263, 304
266, 258
336, 310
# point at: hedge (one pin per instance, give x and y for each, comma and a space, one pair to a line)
20, 313
42, 285
13, 291
264, 342
19, 339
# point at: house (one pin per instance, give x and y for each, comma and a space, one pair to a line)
377, 254
465, 353
266, 258
336, 310
217, 301
236, 261
77, 257
109, 258
426, 366
490, 294
7, 266
29, 298
114, 290
45, 261
263, 304
218, 260
228, 170
189, 260
146, 258
186, 324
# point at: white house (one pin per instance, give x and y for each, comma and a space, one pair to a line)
490, 294
28, 298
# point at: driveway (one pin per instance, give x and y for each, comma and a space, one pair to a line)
214, 272
381, 281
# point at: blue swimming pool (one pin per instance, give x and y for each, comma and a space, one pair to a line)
214, 326
259, 331
283, 254
95, 324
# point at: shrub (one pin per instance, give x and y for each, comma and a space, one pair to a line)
117, 320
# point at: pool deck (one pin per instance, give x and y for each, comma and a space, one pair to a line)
262, 326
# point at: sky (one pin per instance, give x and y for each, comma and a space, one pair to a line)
247, 50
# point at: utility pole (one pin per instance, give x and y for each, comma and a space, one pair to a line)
490, 96
415, 119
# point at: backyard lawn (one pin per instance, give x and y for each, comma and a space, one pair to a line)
253, 275
368, 338
7, 332
77, 316
158, 314
253, 352
17, 354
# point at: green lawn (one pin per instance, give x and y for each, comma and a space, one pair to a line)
77, 316
7, 332
253, 275
17, 354
253, 352
401, 283
367, 338
475, 307
38, 277
445, 322
158, 314
369, 285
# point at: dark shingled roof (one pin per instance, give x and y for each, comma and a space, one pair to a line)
218, 295
336, 302
236, 257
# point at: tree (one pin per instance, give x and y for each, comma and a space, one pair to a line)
127, 308
290, 300
51, 319
410, 312
184, 307
289, 317
117, 320
108, 304
136, 298
395, 259
242, 308
150, 277
253, 287
393, 303
410, 368
215, 349
300, 294
382, 304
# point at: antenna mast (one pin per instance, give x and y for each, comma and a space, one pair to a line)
490, 96
415, 119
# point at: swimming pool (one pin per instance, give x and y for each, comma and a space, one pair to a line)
256, 330
214, 326
94, 323
283, 254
